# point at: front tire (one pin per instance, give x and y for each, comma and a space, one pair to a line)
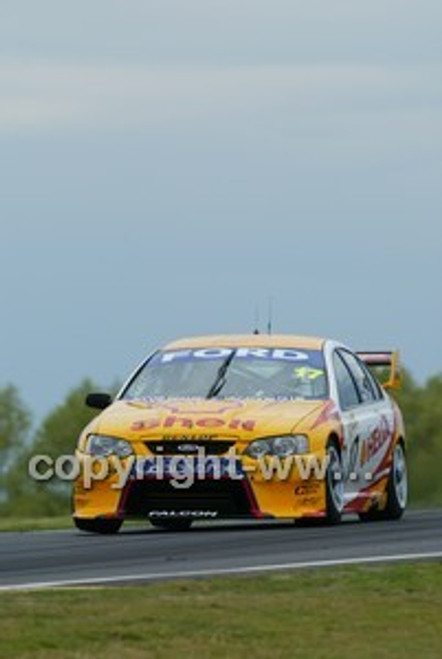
102, 526
334, 492
397, 490
334, 486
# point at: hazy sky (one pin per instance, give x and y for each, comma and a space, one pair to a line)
167, 165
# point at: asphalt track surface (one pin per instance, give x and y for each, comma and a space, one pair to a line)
138, 554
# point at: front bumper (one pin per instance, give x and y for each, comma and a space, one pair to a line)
247, 495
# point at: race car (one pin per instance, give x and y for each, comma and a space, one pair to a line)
245, 426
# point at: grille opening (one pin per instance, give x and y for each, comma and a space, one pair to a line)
226, 497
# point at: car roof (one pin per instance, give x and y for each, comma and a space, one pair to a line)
248, 340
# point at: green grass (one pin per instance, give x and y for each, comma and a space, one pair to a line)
35, 523
384, 611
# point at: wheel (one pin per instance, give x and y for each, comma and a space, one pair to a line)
172, 524
334, 492
103, 526
334, 486
397, 490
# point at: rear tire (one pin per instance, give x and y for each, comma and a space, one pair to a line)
172, 524
102, 526
397, 490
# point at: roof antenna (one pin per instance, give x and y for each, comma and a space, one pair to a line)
270, 320
256, 330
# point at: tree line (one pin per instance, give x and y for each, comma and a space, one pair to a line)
57, 434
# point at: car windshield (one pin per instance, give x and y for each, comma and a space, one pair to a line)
275, 373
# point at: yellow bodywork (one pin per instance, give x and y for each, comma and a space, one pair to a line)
235, 421
135, 422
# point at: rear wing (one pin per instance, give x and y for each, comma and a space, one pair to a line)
385, 359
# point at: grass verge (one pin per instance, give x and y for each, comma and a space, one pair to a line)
35, 523
384, 611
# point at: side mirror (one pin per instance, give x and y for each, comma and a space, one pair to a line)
98, 401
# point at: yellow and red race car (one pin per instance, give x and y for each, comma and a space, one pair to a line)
248, 426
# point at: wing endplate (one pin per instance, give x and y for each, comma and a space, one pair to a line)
384, 359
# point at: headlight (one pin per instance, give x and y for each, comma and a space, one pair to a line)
281, 446
104, 446
258, 449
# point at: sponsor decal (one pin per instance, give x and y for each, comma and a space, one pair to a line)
373, 444
306, 489
308, 373
166, 514
189, 438
174, 421
187, 406
276, 354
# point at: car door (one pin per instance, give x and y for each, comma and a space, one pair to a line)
368, 423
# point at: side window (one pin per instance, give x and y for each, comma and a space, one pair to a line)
371, 378
365, 385
347, 391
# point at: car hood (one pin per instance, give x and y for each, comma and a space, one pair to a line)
244, 419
